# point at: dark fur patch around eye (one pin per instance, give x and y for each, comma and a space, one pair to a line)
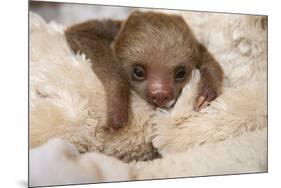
138, 72
180, 73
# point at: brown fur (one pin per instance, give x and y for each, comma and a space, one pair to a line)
94, 38
161, 44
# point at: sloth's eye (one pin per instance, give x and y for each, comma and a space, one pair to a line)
180, 74
138, 73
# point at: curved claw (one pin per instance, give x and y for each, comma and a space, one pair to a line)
203, 100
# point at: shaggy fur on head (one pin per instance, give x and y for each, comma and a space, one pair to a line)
67, 101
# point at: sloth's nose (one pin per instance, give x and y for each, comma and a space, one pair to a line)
161, 98
159, 92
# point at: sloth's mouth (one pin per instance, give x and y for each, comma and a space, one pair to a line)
167, 106
170, 104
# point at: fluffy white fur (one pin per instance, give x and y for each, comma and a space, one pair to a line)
229, 136
58, 162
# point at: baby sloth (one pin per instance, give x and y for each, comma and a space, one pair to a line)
151, 53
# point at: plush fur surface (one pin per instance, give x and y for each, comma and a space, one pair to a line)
58, 162
67, 101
